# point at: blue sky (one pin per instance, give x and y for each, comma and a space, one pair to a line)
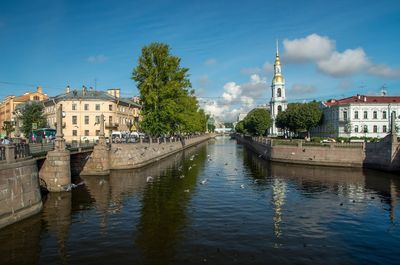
329, 48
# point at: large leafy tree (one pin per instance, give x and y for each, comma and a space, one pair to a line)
257, 122
300, 117
32, 113
168, 105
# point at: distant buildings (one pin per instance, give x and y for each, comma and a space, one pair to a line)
82, 109
358, 116
10, 103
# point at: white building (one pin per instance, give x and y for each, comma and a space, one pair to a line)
358, 116
278, 101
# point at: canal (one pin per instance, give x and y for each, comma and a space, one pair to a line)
216, 203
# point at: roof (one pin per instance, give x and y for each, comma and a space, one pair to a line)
90, 95
362, 99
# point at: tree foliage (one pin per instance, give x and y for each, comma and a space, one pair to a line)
300, 117
8, 127
240, 127
32, 113
256, 122
168, 104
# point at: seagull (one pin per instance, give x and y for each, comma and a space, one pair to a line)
187, 191
242, 186
149, 179
101, 182
190, 168
181, 176
204, 181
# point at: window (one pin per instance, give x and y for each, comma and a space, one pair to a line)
74, 120
279, 92
86, 132
375, 115
356, 128
345, 115
110, 120
394, 112
97, 121
384, 129
110, 107
365, 128
97, 132
356, 115
384, 115
74, 133
365, 114
86, 106
279, 108
36, 98
97, 106
73, 106
86, 119
375, 129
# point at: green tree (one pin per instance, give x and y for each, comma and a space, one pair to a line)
240, 127
8, 127
163, 85
300, 117
32, 113
257, 122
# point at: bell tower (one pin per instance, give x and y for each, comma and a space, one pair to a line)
278, 98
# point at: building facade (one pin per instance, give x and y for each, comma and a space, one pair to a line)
358, 116
82, 110
10, 104
278, 101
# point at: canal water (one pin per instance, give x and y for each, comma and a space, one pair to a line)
216, 203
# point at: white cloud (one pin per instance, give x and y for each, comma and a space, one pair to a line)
300, 89
237, 98
321, 51
256, 88
232, 91
308, 49
268, 67
344, 64
97, 58
210, 61
384, 71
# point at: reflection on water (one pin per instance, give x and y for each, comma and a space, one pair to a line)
216, 203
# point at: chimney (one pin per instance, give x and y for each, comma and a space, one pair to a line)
67, 89
365, 99
83, 90
358, 96
39, 89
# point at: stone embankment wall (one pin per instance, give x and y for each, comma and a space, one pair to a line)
19, 191
383, 155
134, 155
125, 156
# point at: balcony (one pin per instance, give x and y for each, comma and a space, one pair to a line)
111, 125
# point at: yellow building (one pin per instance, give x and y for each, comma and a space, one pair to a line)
82, 110
10, 103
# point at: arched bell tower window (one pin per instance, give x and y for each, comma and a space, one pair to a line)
279, 108
279, 93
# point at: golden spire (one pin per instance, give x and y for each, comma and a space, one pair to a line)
277, 61
278, 78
